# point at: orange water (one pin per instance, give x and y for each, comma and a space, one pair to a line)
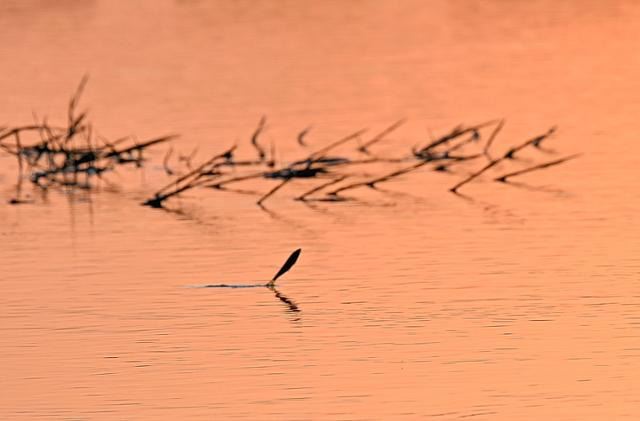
515, 302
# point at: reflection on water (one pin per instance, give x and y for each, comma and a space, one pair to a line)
291, 306
513, 300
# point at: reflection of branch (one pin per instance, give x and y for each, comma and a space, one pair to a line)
292, 306
279, 217
544, 189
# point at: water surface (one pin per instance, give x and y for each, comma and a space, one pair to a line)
513, 302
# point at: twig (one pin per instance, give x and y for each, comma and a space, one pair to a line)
165, 162
322, 152
195, 172
491, 138
139, 147
73, 102
456, 132
188, 159
19, 146
472, 138
220, 184
476, 174
192, 180
320, 187
254, 138
75, 122
508, 155
272, 191
503, 178
381, 135
272, 156
534, 141
372, 183
302, 135
32, 127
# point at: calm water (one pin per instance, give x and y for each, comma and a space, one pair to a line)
517, 302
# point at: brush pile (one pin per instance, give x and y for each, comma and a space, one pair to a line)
73, 156
468, 145
70, 155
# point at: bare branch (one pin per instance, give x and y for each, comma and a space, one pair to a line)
537, 167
